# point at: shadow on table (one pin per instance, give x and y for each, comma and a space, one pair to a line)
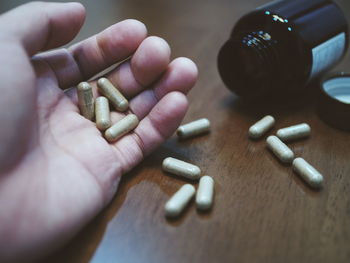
258, 107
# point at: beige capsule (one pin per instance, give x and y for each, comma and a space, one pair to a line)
308, 172
113, 94
86, 100
294, 132
181, 168
179, 200
122, 127
103, 118
282, 151
193, 128
205, 193
261, 127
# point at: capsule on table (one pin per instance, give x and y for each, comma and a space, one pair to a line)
205, 193
261, 127
193, 128
179, 200
181, 168
86, 100
282, 151
308, 173
294, 132
103, 119
113, 94
122, 127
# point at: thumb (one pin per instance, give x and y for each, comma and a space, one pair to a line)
40, 26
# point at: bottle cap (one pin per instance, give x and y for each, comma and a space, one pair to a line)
334, 100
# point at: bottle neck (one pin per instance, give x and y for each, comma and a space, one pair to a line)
262, 44
251, 63
264, 53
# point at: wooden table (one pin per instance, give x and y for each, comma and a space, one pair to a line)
263, 211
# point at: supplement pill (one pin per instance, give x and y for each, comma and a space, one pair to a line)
179, 200
113, 94
86, 100
193, 128
261, 127
103, 119
281, 150
181, 168
205, 193
294, 132
308, 173
122, 127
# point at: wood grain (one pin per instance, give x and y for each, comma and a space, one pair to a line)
263, 211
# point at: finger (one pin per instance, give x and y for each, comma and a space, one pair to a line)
151, 57
149, 62
152, 131
112, 45
162, 121
70, 65
40, 26
181, 76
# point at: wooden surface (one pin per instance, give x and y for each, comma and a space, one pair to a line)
263, 212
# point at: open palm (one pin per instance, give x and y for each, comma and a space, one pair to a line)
57, 170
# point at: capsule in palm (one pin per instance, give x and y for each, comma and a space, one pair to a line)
103, 119
181, 168
86, 100
122, 127
294, 132
179, 200
113, 94
308, 173
281, 151
193, 128
261, 127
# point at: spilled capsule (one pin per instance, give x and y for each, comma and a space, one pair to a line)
193, 128
181, 168
205, 193
261, 127
309, 174
281, 151
294, 132
179, 200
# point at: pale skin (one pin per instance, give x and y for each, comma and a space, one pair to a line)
56, 169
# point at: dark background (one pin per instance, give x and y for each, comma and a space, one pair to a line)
263, 212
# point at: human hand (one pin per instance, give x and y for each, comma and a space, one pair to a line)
56, 170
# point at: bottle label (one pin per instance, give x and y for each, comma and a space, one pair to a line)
327, 54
